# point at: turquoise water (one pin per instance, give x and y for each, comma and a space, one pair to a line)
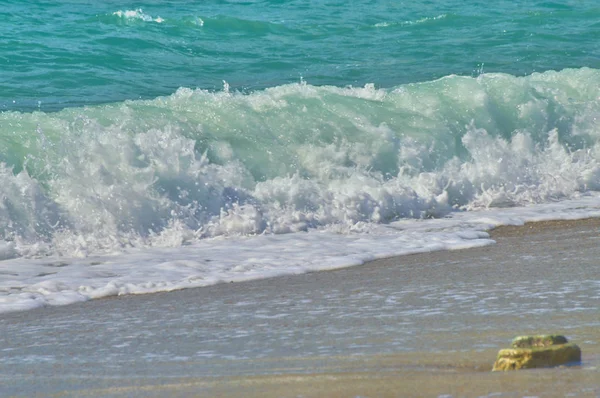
126, 118
154, 146
74, 53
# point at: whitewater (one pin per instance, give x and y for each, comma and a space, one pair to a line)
199, 188
291, 147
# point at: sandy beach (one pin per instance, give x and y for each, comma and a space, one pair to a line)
421, 325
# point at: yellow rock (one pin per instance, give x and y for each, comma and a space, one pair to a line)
542, 340
537, 352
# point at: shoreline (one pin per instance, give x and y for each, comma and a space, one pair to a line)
63, 286
497, 233
536, 227
419, 325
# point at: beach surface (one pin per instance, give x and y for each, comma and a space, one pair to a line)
420, 325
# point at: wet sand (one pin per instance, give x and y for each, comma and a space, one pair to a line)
421, 325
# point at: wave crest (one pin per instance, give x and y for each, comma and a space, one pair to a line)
198, 164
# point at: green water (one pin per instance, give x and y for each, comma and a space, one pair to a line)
120, 121
221, 140
71, 53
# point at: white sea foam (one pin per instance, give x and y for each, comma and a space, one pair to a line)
179, 176
137, 14
31, 283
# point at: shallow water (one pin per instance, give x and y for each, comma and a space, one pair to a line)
424, 311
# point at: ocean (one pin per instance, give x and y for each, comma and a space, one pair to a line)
152, 146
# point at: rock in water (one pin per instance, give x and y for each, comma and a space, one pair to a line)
541, 351
542, 340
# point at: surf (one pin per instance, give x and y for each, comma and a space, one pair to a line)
294, 157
